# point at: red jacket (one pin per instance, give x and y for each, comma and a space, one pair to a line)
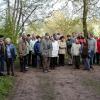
98, 45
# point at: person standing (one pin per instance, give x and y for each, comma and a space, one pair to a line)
54, 53
2, 54
98, 51
32, 43
46, 48
86, 55
69, 45
29, 52
75, 51
92, 48
10, 56
37, 51
62, 51
22, 48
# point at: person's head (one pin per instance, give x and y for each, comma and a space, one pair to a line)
38, 38
52, 38
24, 37
8, 41
68, 36
47, 35
33, 36
73, 34
90, 35
55, 36
62, 38
77, 41
85, 43
1, 39
28, 37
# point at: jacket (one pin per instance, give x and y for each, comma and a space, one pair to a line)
22, 47
12, 51
62, 47
98, 45
2, 50
46, 47
92, 44
75, 49
37, 47
55, 49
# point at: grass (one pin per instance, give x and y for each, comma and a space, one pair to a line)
6, 83
92, 84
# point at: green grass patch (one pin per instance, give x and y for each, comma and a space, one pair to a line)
6, 84
92, 84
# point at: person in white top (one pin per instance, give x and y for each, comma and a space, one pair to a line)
32, 43
75, 51
54, 53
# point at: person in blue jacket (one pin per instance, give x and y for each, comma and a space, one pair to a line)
37, 51
10, 56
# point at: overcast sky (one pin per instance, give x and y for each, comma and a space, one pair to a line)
57, 6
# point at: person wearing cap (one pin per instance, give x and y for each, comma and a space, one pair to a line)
10, 56
2, 53
46, 49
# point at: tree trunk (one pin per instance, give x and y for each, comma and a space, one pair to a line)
85, 12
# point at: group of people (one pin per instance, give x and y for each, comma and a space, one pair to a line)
49, 51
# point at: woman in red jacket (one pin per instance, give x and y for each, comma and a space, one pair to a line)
98, 51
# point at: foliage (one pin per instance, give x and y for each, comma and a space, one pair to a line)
58, 23
6, 83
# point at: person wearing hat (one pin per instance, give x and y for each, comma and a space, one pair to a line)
1, 56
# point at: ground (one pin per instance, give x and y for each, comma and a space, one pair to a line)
64, 83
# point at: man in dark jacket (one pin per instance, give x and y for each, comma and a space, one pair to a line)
37, 51
69, 42
1, 56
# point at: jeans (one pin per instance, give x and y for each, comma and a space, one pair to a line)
1, 64
91, 58
86, 62
39, 60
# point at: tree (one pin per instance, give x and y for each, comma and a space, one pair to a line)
85, 12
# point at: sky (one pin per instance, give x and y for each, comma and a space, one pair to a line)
60, 3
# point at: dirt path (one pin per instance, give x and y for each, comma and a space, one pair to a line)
62, 84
